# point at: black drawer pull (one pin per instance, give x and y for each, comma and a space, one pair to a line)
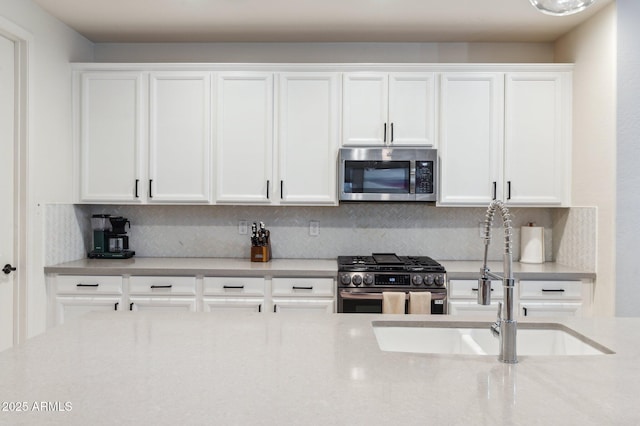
115, 307
295, 287
475, 289
237, 287
87, 285
553, 290
162, 286
131, 306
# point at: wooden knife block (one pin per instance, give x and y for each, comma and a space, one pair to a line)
261, 253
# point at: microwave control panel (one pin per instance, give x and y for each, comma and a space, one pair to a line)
424, 177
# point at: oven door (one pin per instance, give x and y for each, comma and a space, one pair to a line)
351, 301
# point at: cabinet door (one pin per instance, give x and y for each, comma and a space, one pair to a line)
245, 304
470, 146
537, 136
111, 135
308, 138
365, 109
162, 304
319, 306
411, 109
72, 307
244, 137
179, 137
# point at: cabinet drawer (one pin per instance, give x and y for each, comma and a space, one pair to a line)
88, 284
557, 290
533, 309
468, 289
234, 286
162, 285
311, 287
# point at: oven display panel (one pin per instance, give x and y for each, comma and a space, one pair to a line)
392, 279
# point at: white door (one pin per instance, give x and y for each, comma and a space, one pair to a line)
411, 109
471, 129
244, 132
365, 109
308, 137
7, 139
179, 136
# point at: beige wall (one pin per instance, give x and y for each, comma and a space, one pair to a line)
592, 47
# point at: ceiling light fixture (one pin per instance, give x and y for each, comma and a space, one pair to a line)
561, 7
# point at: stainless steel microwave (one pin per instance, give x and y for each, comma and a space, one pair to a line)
388, 174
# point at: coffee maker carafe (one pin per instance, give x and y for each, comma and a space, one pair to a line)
110, 239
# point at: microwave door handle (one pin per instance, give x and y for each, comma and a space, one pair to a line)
412, 178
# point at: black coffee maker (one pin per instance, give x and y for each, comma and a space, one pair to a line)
110, 239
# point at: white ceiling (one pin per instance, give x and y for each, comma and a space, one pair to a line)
312, 20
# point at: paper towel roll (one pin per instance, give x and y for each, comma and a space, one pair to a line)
532, 244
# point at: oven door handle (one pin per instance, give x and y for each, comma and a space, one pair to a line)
352, 295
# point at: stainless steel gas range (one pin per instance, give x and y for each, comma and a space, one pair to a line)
363, 279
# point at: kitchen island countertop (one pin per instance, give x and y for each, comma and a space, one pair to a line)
281, 369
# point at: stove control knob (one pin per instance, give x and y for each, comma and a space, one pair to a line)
428, 280
368, 279
416, 279
345, 279
439, 280
357, 280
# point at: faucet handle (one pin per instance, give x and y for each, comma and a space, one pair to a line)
499, 311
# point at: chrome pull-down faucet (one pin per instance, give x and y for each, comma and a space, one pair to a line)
506, 326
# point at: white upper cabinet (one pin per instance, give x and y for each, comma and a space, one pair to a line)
179, 137
308, 137
244, 137
388, 109
470, 146
111, 135
505, 136
537, 138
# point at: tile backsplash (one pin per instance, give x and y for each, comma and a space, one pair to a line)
445, 233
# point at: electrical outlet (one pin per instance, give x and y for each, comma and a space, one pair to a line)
314, 228
243, 227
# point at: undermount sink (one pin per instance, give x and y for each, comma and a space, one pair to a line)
475, 338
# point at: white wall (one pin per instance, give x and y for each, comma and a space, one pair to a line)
325, 52
52, 48
628, 175
592, 48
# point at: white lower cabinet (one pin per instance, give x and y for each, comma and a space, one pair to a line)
303, 294
533, 298
76, 295
233, 294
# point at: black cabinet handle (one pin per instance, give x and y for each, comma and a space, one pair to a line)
301, 288
131, 306
8, 268
384, 138
475, 289
553, 290
524, 311
233, 286
391, 132
150, 184
115, 307
162, 286
87, 285
136, 193
274, 307
267, 189
281, 189
508, 190
260, 307
495, 190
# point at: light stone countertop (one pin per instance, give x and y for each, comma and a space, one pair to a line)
286, 267
294, 369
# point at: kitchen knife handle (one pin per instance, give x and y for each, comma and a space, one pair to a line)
161, 286
384, 136
136, 192
267, 189
150, 183
508, 190
495, 190
87, 285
